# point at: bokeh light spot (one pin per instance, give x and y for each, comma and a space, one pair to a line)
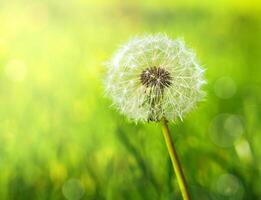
16, 70
230, 186
225, 129
225, 87
73, 189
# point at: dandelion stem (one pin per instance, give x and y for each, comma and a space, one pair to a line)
175, 161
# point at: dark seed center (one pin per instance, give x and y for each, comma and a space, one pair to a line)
155, 76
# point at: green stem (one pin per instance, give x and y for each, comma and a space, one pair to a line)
175, 161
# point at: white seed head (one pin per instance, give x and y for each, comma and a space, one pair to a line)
152, 77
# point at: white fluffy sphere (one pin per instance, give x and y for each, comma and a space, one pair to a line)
152, 77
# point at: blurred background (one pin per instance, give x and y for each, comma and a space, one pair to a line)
61, 139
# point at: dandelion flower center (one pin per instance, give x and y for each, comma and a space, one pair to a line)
155, 77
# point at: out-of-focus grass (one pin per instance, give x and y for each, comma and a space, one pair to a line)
60, 139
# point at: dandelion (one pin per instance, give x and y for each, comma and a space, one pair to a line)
154, 78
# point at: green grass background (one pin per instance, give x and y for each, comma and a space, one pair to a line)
59, 137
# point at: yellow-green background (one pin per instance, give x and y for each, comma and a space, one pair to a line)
59, 137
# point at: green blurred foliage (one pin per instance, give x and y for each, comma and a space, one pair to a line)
59, 137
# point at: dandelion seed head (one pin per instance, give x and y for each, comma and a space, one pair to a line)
152, 77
